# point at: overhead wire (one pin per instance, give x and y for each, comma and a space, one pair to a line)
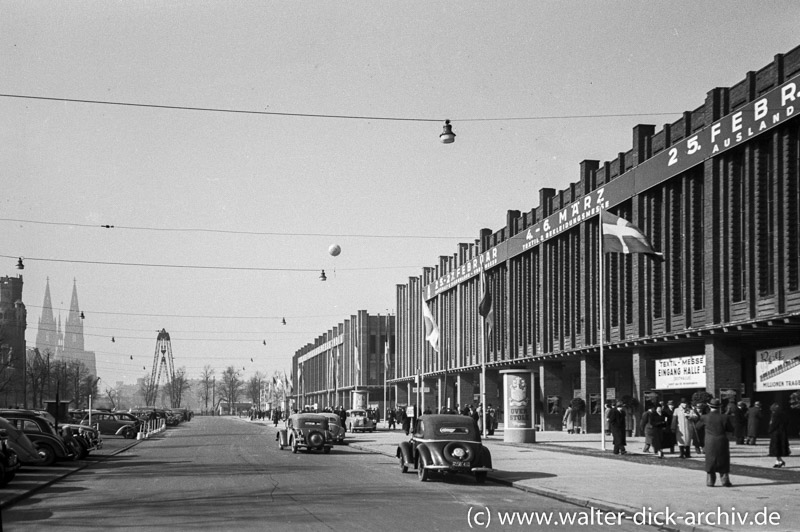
323, 115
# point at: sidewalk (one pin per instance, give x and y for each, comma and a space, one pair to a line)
573, 468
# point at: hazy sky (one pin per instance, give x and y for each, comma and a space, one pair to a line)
271, 193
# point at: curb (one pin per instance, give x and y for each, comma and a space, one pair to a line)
22, 496
603, 506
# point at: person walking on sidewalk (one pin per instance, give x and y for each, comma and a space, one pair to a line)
616, 424
753, 421
778, 440
653, 428
738, 415
717, 448
570, 420
683, 421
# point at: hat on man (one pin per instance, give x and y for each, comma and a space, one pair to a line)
619, 403
715, 403
683, 400
742, 404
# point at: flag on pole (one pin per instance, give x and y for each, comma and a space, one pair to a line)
289, 380
621, 236
386, 360
485, 308
431, 329
358, 362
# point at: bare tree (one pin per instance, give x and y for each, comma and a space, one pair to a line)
177, 387
206, 386
145, 392
231, 387
113, 396
254, 387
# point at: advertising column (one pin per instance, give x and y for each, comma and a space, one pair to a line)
518, 406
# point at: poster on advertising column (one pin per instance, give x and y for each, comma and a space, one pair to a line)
778, 369
519, 401
683, 372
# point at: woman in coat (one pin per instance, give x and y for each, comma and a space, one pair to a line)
778, 440
653, 423
717, 447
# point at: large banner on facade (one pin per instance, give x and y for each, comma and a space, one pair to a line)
683, 372
778, 369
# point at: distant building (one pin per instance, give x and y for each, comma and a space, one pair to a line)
67, 344
13, 322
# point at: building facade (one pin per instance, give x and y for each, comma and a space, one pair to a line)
352, 356
717, 192
13, 322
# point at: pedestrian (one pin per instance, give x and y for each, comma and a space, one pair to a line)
683, 421
392, 419
778, 439
668, 439
653, 428
616, 423
699, 434
717, 448
753, 422
570, 420
738, 415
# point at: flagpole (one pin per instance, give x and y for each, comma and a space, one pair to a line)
483, 362
385, 409
601, 284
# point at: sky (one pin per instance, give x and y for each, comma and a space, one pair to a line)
265, 132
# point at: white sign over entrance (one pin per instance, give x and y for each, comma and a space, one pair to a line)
684, 372
778, 369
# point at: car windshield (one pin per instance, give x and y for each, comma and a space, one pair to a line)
357, 413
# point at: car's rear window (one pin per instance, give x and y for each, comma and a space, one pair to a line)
453, 430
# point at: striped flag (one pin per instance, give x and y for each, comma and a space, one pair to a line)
431, 329
621, 236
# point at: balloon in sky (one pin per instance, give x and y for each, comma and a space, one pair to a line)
334, 249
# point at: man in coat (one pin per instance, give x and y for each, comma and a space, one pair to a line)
683, 421
717, 448
753, 422
616, 424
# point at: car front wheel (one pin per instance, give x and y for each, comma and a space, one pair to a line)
403, 465
47, 453
294, 446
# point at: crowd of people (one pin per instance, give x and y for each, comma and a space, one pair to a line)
705, 427
404, 417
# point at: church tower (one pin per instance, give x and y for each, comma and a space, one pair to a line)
73, 330
47, 340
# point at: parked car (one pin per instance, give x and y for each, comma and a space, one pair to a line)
306, 431
335, 427
9, 462
88, 438
112, 424
358, 420
20, 443
445, 443
48, 442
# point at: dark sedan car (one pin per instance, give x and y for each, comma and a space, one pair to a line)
48, 442
9, 463
111, 423
445, 443
306, 431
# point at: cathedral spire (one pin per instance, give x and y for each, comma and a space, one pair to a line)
46, 333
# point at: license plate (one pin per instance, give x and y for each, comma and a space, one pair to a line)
460, 465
